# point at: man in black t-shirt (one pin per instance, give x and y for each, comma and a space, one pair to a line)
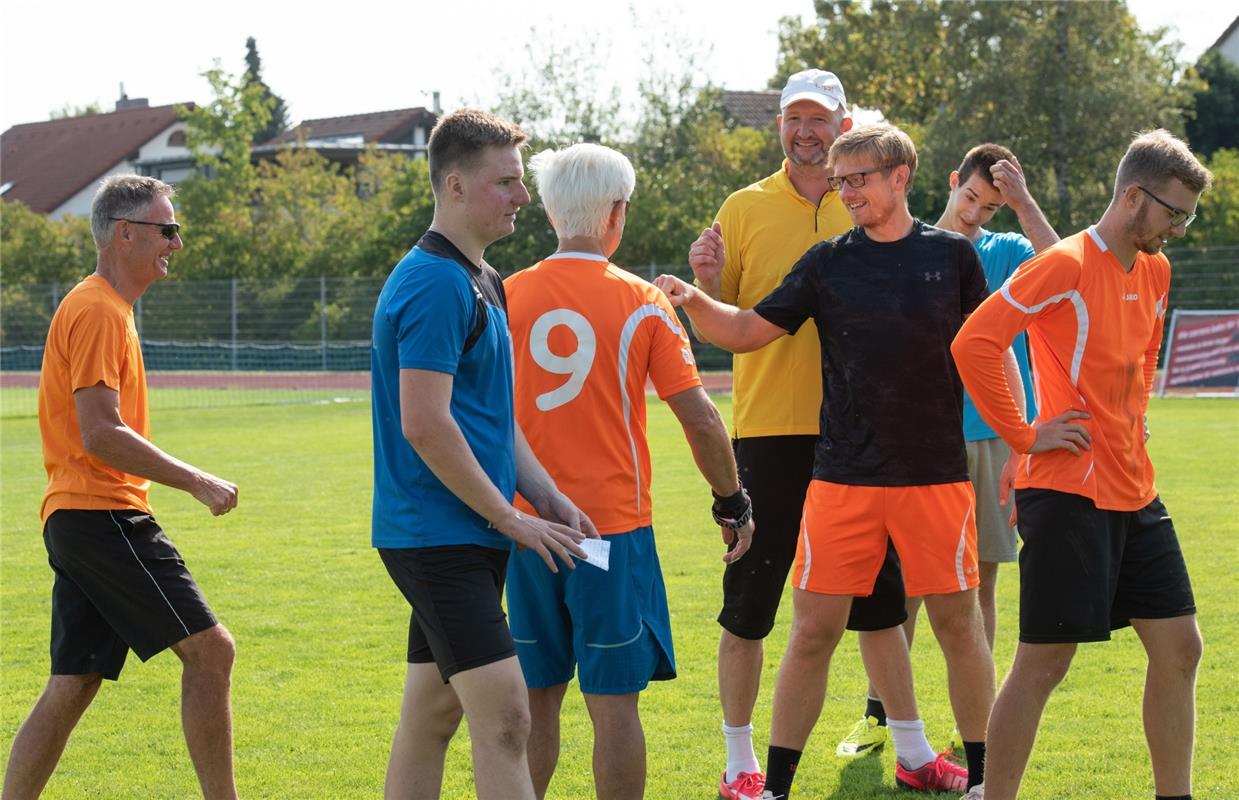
887, 298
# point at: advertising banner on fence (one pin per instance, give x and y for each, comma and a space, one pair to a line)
1202, 353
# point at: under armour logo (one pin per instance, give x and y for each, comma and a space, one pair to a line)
932, 276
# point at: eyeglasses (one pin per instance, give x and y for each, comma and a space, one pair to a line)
168, 230
1177, 216
855, 179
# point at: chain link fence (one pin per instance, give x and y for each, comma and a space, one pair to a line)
232, 342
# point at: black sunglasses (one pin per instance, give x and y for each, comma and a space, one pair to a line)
168, 230
1177, 216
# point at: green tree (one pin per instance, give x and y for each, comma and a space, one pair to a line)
1219, 207
278, 121
35, 251
1214, 122
70, 110
217, 203
1064, 84
35, 248
686, 155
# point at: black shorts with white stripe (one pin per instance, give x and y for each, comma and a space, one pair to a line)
120, 585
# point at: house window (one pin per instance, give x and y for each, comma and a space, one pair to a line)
176, 139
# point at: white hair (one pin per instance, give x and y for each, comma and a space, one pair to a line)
579, 186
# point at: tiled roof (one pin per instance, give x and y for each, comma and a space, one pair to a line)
380, 126
49, 162
752, 109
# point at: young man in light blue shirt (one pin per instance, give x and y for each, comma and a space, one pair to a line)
989, 178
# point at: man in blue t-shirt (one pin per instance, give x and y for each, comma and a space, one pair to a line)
448, 458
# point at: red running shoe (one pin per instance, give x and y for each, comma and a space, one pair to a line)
939, 775
746, 786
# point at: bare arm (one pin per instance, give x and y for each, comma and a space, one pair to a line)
106, 437
426, 420
1009, 180
707, 438
733, 329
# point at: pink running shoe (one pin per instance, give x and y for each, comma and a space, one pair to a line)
746, 786
939, 775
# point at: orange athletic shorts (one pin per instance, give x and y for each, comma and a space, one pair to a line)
844, 529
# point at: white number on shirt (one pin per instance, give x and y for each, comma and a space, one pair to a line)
576, 364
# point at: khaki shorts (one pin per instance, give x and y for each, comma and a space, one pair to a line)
996, 540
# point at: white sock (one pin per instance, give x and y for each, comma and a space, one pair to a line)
911, 747
740, 755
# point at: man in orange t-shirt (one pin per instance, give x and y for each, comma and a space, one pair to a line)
586, 336
120, 583
1100, 551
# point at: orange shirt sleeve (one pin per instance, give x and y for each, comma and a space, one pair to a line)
95, 347
978, 348
671, 366
1155, 341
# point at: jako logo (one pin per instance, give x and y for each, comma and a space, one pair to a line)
1131, 296
932, 276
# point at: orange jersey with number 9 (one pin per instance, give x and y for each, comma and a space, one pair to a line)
586, 336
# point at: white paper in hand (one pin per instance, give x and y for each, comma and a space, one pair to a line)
597, 552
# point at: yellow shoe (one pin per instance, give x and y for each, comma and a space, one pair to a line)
866, 737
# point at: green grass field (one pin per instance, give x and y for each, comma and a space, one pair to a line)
321, 629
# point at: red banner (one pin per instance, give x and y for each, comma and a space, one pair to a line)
1203, 351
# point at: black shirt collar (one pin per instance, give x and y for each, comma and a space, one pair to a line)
436, 244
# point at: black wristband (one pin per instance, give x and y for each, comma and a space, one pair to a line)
733, 511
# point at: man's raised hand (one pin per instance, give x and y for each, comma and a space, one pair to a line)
706, 259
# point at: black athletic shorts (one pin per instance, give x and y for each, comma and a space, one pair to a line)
120, 585
456, 592
1085, 571
776, 471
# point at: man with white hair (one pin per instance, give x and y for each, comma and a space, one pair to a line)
586, 337
120, 583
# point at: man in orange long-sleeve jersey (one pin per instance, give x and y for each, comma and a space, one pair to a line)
1100, 551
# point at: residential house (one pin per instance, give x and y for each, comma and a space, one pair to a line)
54, 167
1228, 43
751, 109
342, 139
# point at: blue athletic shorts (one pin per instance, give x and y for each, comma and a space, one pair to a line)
614, 624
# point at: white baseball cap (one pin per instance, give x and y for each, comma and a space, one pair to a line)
817, 85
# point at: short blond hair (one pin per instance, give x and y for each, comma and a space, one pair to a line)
885, 144
1157, 156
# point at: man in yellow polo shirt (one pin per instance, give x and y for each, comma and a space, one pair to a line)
760, 232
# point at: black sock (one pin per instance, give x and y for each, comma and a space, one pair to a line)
781, 770
874, 708
975, 753
1174, 797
